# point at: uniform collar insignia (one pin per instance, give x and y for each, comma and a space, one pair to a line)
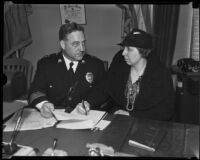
59, 60
82, 61
89, 77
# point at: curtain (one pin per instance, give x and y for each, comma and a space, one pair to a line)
136, 16
16, 28
165, 29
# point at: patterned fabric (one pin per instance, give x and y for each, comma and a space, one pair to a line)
131, 92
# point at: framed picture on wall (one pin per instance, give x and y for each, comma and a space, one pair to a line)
73, 13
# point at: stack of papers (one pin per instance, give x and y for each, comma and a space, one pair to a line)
75, 120
31, 120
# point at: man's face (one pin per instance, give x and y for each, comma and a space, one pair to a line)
74, 46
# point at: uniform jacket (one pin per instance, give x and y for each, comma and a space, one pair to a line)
53, 83
156, 96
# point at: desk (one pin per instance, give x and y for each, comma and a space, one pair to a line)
182, 140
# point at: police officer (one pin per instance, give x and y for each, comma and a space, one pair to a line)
64, 79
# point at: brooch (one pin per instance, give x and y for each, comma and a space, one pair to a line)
89, 77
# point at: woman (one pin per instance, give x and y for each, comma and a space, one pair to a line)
136, 81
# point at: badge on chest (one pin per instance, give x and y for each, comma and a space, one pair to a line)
89, 77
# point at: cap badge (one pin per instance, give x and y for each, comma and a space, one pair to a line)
136, 33
89, 77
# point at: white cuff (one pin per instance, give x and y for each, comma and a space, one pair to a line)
39, 105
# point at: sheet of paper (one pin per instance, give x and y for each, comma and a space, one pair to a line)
103, 124
31, 120
75, 120
71, 124
11, 107
93, 115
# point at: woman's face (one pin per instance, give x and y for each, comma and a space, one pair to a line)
131, 55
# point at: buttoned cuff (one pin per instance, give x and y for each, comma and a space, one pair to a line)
39, 105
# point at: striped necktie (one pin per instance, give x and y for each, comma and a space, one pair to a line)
71, 71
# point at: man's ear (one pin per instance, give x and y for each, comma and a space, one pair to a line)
62, 44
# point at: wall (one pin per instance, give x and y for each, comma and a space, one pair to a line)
182, 49
102, 30
44, 23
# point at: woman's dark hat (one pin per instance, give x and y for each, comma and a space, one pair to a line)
138, 38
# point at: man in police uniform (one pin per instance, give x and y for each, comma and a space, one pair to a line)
64, 79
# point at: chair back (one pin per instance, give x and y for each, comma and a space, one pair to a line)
19, 64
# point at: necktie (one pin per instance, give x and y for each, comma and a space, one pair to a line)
71, 88
71, 71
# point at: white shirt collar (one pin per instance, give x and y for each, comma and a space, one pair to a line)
67, 62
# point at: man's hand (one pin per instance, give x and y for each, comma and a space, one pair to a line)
83, 107
47, 109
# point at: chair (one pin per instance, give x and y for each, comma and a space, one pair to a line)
19, 64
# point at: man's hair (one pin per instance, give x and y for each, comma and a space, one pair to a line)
68, 28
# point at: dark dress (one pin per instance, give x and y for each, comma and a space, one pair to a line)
156, 95
53, 82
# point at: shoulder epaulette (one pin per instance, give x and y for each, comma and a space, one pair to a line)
49, 56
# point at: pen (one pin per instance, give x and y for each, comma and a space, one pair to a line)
94, 129
54, 146
84, 107
16, 126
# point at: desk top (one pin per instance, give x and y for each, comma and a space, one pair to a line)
182, 140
